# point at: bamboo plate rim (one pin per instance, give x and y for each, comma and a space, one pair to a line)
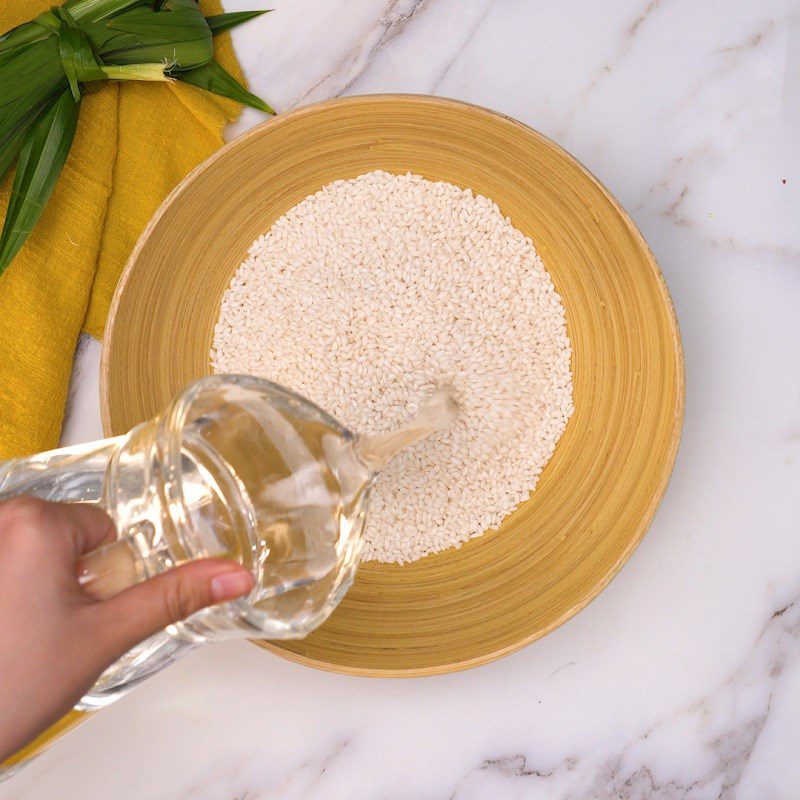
667, 465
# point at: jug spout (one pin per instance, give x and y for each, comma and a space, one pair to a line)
437, 413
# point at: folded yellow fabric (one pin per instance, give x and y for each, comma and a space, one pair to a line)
134, 143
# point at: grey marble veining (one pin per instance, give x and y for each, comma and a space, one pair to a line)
719, 731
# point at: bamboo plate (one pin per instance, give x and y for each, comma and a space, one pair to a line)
596, 497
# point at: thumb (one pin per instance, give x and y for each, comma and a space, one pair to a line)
149, 607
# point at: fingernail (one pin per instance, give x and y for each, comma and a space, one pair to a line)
231, 584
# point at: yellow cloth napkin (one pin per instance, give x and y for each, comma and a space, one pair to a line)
134, 143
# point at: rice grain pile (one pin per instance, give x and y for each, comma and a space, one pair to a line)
370, 293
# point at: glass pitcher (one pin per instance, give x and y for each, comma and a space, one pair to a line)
234, 467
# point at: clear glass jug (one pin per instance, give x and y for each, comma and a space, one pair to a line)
234, 467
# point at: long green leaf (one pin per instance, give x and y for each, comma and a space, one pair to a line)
178, 5
213, 78
106, 40
11, 143
9, 150
97, 10
178, 36
19, 37
224, 22
36, 67
182, 17
44, 151
162, 26
187, 55
31, 76
25, 122
142, 35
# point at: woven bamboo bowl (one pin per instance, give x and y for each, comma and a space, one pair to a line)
596, 497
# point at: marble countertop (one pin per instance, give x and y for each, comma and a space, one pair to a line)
682, 680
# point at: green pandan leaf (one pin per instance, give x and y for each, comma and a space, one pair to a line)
224, 22
44, 150
213, 78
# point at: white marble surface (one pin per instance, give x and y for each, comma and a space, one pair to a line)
683, 679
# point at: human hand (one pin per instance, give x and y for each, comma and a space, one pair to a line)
56, 638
